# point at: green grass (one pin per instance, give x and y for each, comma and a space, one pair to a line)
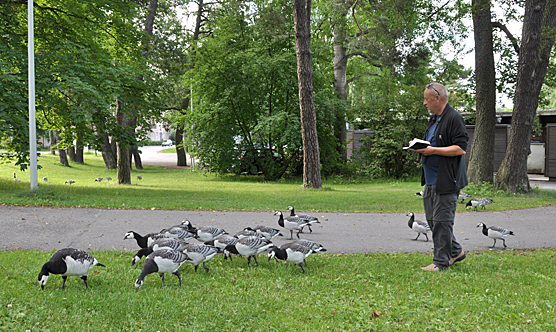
181, 189
489, 291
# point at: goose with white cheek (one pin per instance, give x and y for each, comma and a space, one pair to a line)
68, 262
293, 252
162, 261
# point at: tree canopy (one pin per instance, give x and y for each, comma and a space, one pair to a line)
229, 85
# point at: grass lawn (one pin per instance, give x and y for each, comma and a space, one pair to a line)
505, 290
489, 291
181, 189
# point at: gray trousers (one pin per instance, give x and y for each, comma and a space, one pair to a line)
440, 211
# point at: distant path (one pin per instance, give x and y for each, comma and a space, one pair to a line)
103, 229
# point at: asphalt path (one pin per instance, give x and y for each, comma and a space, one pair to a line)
46, 228
103, 229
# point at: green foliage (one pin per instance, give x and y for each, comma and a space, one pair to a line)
245, 79
87, 53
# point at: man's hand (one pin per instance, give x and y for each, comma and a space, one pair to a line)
429, 150
448, 151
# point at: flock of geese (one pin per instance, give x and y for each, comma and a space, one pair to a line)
167, 250
493, 232
108, 178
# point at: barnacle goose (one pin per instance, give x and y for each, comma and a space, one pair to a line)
293, 252
309, 219
188, 225
222, 242
495, 233
180, 232
419, 226
68, 262
158, 244
249, 247
269, 233
420, 193
98, 179
200, 253
476, 202
143, 241
208, 233
315, 247
139, 177
70, 181
248, 232
463, 196
162, 261
291, 222
16, 178
108, 178
45, 179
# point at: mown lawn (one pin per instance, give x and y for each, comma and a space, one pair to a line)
181, 189
489, 291
504, 290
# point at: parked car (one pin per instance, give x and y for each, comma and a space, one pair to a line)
167, 142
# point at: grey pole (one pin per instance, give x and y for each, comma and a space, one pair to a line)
32, 121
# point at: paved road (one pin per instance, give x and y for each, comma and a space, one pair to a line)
103, 229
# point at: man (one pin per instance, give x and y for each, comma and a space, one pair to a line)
444, 174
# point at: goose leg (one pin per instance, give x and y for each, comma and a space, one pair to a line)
255, 258
162, 278
427, 237
248, 260
504, 241
418, 234
297, 235
206, 268
85, 281
310, 230
493, 244
177, 274
301, 265
291, 234
64, 282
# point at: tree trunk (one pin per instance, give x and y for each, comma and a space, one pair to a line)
481, 159
309, 136
537, 41
52, 137
124, 164
180, 130
79, 148
108, 152
126, 149
61, 152
71, 153
340, 69
133, 150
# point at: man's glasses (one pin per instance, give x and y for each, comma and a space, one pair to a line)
432, 87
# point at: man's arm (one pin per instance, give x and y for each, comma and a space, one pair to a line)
446, 151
